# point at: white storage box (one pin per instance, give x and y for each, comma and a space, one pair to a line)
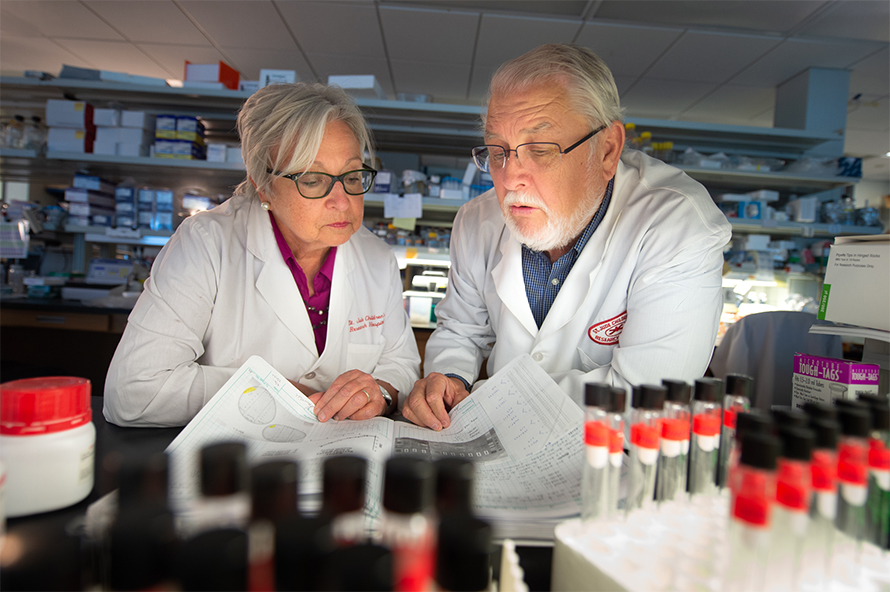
64, 139
139, 119
107, 117
359, 86
92, 182
77, 194
126, 149
72, 114
857, 282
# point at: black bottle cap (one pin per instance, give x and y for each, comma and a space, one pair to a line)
797, 442
826, 431
143, 479
454, 485
597, 394
738, 385
678, 391
343, 489
273, 489
360, 567
141, 545
709, 390
753, 422
820, 410
852, 404
649, 396
619, 400
303, 546
408, 484
224, 469
880, 410
464, 553
855, 422
214, 560
760, 451
789, 417
41, 555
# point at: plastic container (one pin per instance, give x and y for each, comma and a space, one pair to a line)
47, 443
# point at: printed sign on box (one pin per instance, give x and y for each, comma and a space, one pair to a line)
857, 281
824, 380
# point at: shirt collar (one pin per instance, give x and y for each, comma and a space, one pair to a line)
327, 268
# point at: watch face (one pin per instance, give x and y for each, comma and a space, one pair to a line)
386, 396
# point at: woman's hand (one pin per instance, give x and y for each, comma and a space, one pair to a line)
352, 395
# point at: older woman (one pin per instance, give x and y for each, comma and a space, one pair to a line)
284, 269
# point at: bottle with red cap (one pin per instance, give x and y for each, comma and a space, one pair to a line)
823, 509
47, 443
343, 498
594, 475
615, 421
852, 468
705, 446
748, 422
645, 440
750, 514
673, 461
877, 508
737, 400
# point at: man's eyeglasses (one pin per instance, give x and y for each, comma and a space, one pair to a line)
535, 157
317, 185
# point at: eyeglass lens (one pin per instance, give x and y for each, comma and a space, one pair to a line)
536, 156
319, 184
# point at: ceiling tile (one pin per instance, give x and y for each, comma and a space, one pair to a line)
332, 65
550, 7
152, 21
627, 50
35, 53
709, 57
662, 99
59, 18
115, 56
241, 23
503, 38
335, 28
865, 143
249, 62
793, 56
870, 114
855, 19
738, 105
173, 57
479, 83
429, 35
872, 74
441, 80
773, 16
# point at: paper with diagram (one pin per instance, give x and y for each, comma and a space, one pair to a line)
521, 429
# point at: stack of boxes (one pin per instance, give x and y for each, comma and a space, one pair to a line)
71, 127
180, 137
144, 207
91, 201
123, 133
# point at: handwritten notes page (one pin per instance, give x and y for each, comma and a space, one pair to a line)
523, 432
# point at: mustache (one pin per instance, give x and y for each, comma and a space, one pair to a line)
526, 199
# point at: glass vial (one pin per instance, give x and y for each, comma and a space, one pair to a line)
705, 447
676, 425
595, 472
645, 436
737, 399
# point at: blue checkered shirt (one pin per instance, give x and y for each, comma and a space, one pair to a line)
544, 279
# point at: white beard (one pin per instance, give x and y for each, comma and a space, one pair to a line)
556, 232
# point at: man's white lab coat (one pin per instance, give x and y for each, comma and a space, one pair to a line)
220, 292
642, 302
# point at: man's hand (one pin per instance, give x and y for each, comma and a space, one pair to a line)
432, 398
352, 395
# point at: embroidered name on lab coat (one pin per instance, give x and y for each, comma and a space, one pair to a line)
365, 322
607, 332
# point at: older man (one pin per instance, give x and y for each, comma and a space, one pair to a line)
604, 266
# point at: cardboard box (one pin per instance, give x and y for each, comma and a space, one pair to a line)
134, 135
64, 139
359, 86
106, 117
180, 149
165, 127
219, 72
216, 152
93, 182
268, 77
233, 154
139, 119
71, 114
824, 380
82, 208
126, 149
857, 281
77, 194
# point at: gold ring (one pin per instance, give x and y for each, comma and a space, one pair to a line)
369, 396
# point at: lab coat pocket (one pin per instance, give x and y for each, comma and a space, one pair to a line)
363, 356
588, 363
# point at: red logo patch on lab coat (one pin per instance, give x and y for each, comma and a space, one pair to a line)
607, 332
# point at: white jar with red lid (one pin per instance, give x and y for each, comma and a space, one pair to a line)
47, 443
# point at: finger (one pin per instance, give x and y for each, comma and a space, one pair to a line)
338, 394
376, 407
417, 407
435, 398
315, 397
357, 402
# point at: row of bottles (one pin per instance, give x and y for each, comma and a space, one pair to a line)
642, 141
24, 134
245, 531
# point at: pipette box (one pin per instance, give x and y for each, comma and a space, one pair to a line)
824, 380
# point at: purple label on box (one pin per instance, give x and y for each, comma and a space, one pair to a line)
836, 370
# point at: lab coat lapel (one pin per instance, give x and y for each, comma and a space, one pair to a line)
341, 297
274, 280
510, 284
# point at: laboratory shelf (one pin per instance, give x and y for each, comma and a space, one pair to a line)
802, 229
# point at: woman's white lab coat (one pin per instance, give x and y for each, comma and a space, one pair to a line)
220, 292
642, 302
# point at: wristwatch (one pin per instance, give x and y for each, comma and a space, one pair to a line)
386, 397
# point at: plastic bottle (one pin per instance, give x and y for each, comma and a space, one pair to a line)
454, 485
673, 462
407, 527
343, 497
34, 137
630, 135
594, 475
303, 550
214, 559
365, 566
705, 446
750, 422
142, 544
615, 419
820, 538
646, 143
852, 469
14, 134
273, 486
225, 494
47, 443
751, 513
463, 557
877, 508
737, 399
645, 434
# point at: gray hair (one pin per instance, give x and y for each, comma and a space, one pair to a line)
587, 79
281, 127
